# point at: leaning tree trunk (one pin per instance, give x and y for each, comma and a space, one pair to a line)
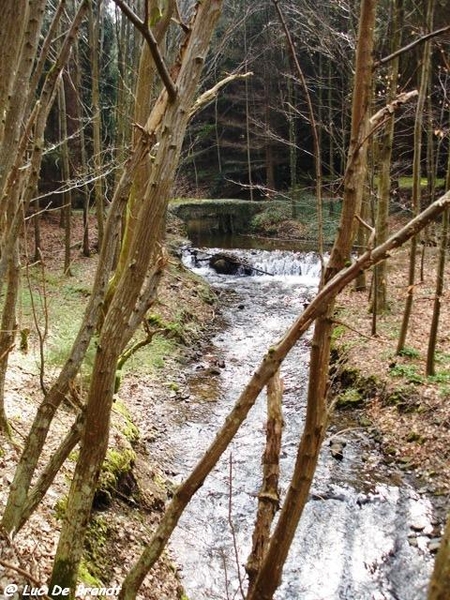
136, 288
317, 415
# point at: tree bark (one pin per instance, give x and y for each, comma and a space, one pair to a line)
135, 289
440, 579
268, 496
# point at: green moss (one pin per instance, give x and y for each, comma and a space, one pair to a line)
404, 398
95, 565
116, 464
125, 424
86, 577
350, 398
60, 508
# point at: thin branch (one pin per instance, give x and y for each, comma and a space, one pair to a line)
145, 30
210, 94
364, 335
410, 46
25, 574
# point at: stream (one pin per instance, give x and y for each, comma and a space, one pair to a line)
364, 531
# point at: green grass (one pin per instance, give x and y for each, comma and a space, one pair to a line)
151, 357
409, 352
408, 372
406, 182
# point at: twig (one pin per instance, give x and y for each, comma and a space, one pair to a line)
21, 571
410, 46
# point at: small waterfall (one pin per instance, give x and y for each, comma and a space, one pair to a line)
280, 263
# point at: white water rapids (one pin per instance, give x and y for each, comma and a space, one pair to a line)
353, 542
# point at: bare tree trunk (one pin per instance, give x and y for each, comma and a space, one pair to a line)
268, 496
440, 579
66, 209
424, 80
135, 289
380, 299
94, 45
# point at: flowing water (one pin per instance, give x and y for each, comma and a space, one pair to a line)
363, 535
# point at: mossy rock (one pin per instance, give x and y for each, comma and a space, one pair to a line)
95, 566
350, 398
116, 476
124, 422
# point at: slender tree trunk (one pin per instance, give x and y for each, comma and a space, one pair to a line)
380, 297
95, 11
66, 209
424, 80
134, 292
268, 496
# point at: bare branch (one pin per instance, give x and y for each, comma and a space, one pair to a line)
388, 110
210, 94
145, 30
410, 46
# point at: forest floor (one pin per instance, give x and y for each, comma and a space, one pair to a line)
134, 486
407, 412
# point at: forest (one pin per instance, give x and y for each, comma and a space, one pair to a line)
330, 124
